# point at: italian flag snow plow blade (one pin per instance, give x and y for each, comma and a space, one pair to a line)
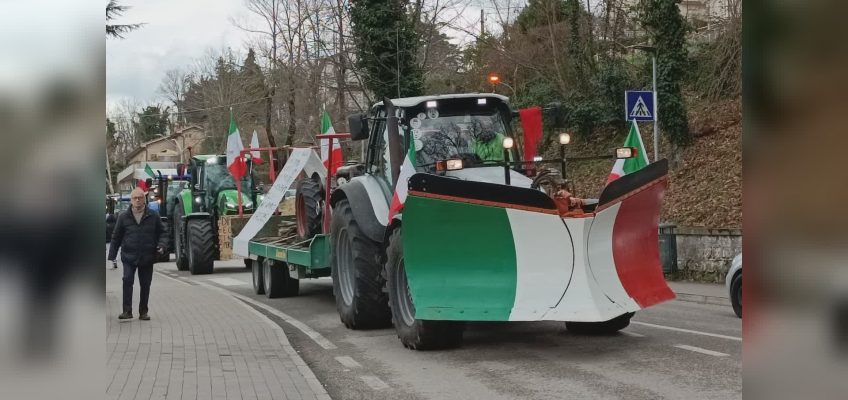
477, 251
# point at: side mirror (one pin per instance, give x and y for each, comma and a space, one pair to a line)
358, 125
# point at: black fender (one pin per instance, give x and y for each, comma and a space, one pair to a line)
198, 215
363, 212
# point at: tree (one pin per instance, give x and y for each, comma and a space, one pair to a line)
174, 87
152, 122
667, 28
113, 11
386, 48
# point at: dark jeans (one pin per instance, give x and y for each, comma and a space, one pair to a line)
145, 275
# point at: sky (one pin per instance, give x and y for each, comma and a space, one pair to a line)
177, 32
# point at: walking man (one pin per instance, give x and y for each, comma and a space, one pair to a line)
139, 233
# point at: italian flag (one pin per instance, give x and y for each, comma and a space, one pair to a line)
407, 169
255, 156
149, 170
235, 163
327, 129
626, 166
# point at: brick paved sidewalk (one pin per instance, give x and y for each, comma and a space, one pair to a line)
199, 344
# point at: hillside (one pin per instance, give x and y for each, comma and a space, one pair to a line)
705, 184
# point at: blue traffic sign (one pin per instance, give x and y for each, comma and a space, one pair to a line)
639, 105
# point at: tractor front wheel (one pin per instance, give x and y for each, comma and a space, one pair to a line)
414, 333
357, 279
201, 246
308, 200
179, 239
600, 328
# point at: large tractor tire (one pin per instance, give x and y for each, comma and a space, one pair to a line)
258, 278
179, 239
278, 283
414, 333
600, 328
309, 198
357, 278
201, 246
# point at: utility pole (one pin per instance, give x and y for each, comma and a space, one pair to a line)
482, 23
656, 108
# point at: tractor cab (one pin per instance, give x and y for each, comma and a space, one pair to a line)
214, 188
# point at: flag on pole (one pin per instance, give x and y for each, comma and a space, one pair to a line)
327, 129
255, 155
149, 170
407, 169
235, 163
626, 166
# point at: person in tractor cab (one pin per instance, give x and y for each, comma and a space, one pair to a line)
487, 143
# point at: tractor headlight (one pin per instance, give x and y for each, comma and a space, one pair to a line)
508, 142
197, 199
231, 205
626, 152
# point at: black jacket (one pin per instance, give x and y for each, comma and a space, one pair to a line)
138, 241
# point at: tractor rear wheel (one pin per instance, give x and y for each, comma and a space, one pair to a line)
600, 328
308, 200
201, 246
179, 238
357, 278
278, 283
258, 279
414, 333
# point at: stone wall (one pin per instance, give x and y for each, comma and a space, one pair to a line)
704, 255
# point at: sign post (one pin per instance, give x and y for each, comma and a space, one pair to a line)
640, 106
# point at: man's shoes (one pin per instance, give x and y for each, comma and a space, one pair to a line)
144, 317
126, 315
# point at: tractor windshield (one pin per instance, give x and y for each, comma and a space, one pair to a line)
219, 178
477, 137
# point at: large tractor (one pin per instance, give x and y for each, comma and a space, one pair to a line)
203, 213
481, 235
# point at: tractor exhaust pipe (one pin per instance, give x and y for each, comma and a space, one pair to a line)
395, 151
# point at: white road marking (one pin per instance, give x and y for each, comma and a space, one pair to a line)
374, 382
173, 279
314, 335
700, 350
631, 334
671, 328
227, 281
348, 362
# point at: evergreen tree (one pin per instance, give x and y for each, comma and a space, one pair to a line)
386, 47
663, 20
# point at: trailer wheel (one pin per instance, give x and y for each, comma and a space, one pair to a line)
179, 239
308, 213
414, 333
201, 246
357, 278
278, 283
258, 281
600, 328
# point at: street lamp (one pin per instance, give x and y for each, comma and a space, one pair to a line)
653, 51
495, 79
564, 139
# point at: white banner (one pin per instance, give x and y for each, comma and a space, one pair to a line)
299, 159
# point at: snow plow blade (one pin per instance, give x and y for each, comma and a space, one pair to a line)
478, 251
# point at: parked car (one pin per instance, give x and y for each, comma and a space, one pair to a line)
734, 284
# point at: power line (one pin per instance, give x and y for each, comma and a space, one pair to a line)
210, 108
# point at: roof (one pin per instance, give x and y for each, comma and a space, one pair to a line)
414, 101
204, 157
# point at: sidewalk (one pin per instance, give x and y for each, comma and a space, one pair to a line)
199, 344
705, 293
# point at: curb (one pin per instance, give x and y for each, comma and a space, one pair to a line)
703, 299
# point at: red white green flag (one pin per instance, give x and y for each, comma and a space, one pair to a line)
235, 163
327, 129
407, 169
626, 166
255, 155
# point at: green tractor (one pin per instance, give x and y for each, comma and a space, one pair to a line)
205, 212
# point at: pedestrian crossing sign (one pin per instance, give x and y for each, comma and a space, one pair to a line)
639, 105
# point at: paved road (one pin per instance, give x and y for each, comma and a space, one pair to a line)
675, 350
